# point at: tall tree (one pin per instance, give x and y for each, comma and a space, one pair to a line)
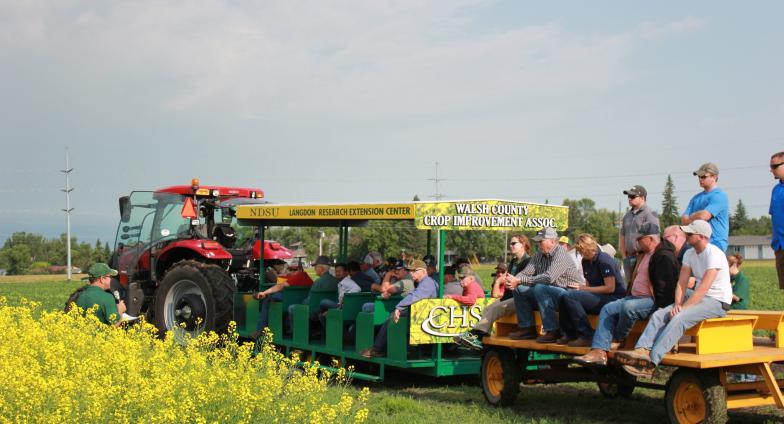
739, 220
669, 215
18, 259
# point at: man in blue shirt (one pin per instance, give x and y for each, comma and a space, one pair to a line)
777, 213
427, 288
710, 205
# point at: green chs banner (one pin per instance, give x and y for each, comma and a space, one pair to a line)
500, 215
438, 320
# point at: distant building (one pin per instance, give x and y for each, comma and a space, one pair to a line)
751, 247
63, 269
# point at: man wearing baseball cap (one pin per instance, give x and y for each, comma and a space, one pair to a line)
427, 288
471, 288
711, 298
546, 278
638, 215
108, 311
711, 205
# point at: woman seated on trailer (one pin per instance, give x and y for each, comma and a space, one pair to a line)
603, 284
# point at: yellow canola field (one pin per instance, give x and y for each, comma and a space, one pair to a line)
57, 367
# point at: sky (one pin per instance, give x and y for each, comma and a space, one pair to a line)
356, 101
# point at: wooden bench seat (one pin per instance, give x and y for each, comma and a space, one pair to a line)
732, 333
766, 320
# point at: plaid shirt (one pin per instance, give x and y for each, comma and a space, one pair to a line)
555, 269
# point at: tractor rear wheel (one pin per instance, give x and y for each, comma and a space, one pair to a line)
195, 296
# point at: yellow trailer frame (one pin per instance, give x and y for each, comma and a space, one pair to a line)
698, 391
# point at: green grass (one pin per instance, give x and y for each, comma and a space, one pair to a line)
411, 398
51, 294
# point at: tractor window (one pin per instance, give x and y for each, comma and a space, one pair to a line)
137, 229
172, 224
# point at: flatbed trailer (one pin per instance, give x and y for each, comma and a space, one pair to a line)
411, 345
699, 389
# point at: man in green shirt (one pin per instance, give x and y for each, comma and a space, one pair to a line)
109, 311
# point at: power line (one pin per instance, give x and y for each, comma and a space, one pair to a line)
587, 177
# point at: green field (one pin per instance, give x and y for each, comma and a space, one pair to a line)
411, 398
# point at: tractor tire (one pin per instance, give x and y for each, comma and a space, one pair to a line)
196, 296
501, 376
695, 396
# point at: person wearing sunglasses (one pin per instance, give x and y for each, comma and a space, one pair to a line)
777, 213
711, 205
638, 216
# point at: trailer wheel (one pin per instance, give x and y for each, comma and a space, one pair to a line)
695, 396
615, 390
501, 376
198, 296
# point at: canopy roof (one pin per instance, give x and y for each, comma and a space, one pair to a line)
474, 214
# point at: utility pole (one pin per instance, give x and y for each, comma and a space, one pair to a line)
321, 237
68, 189
438, 196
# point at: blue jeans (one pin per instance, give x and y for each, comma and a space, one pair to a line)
663, 331
617, 318
545, 298
380, 344
574, 307
324, 306
628, 267
369, 307
264, 311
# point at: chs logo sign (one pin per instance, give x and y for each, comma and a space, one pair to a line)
438, 320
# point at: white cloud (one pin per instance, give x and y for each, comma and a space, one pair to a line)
310, 59
653, 31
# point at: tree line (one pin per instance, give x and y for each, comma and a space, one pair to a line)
32, 253
28, 253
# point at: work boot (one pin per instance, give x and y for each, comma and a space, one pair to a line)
640, 371
564, 340
580, 342
371, 353
549, 337
527, 333
640, 358
594, 357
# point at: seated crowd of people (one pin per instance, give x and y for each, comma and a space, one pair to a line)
677, 281
674, 279
410, 281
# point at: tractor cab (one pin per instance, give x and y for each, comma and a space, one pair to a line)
190, 225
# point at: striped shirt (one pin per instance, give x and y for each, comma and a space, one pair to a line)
556, 269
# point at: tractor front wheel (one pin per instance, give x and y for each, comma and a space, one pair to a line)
196, 297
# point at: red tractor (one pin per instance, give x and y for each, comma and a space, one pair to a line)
179, 258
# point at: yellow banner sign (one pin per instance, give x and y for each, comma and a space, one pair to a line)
324, 212
499, 215
438, 320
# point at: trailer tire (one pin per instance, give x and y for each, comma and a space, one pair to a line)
501, 376
695, 396
197, 295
